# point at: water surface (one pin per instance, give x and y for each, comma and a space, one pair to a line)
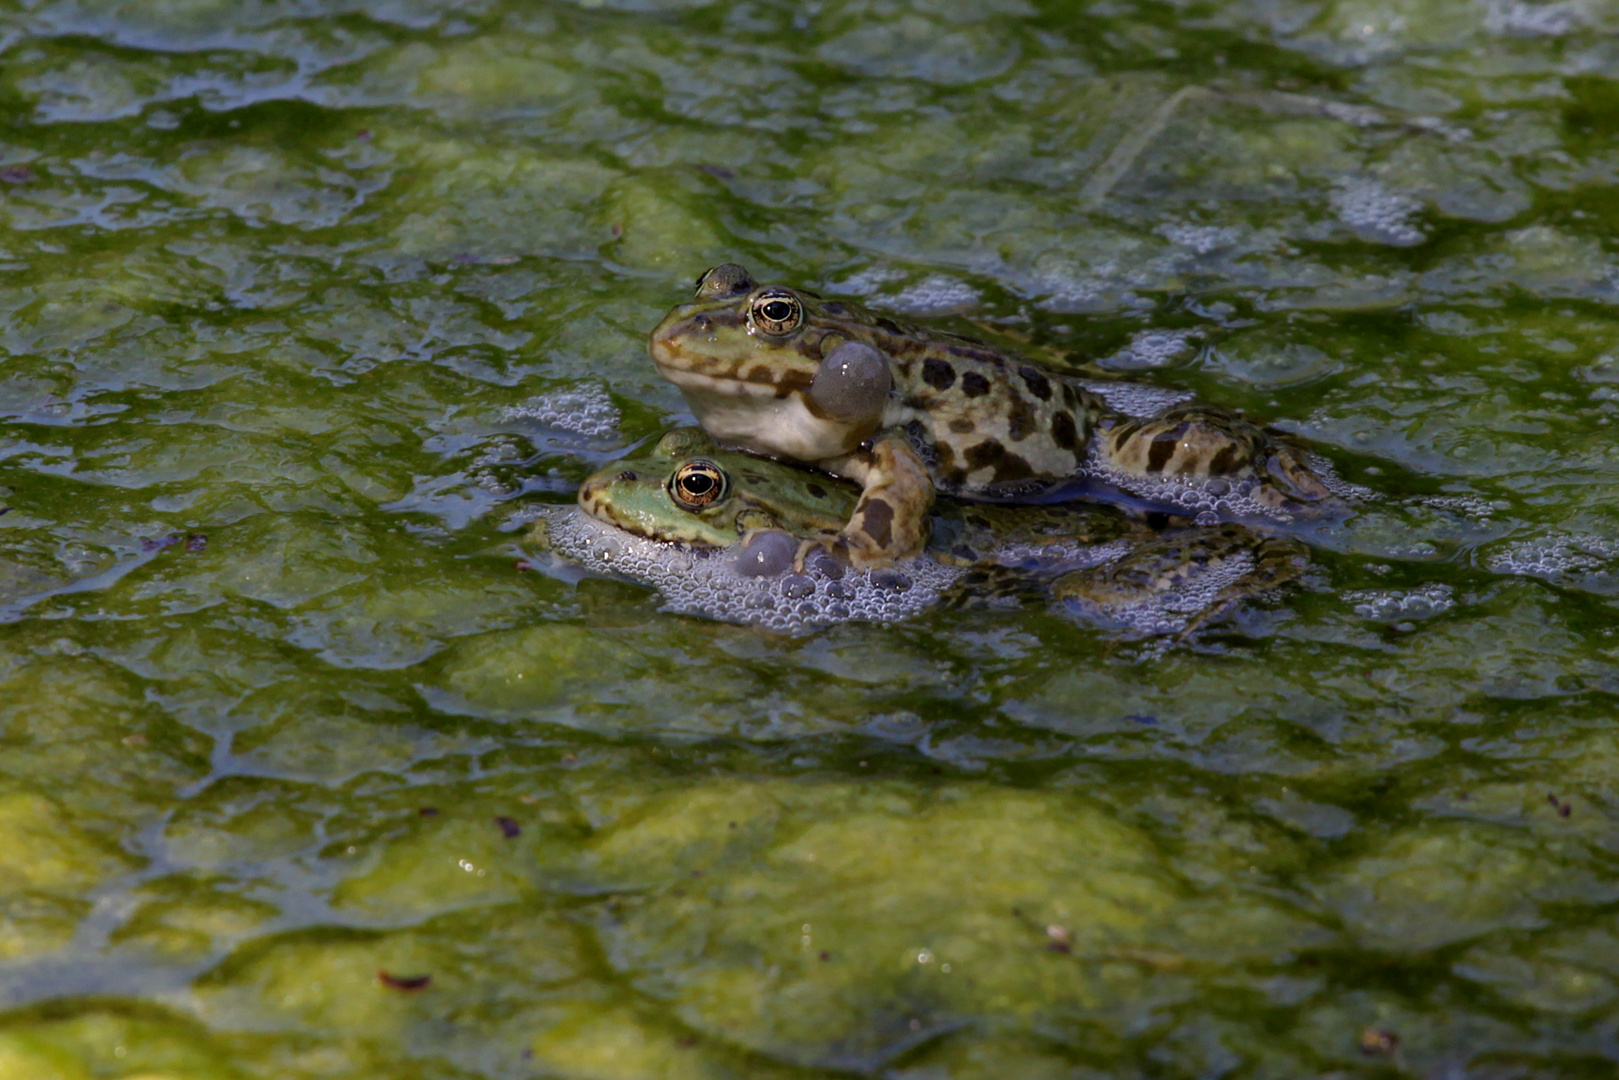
304, 306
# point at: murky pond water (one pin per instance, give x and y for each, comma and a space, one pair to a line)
305, 307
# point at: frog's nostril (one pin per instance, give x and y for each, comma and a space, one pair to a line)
627, 476
701, 322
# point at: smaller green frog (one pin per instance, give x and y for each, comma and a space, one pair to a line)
688, 493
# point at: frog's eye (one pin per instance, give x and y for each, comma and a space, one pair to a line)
776, 312
697, 484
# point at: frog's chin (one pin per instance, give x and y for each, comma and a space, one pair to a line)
777, 427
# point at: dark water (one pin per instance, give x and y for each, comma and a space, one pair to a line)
304, 305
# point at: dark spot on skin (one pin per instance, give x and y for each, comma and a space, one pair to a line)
877, 519
1021, 421
1063, 432
1038, 384
816, 490
406, 983
508, 827
974, 384
1224, 462
944, 457
832, 307
1162, 449
1070, 396
1013, 468
891, 326
963, 425
938, 374
986, 454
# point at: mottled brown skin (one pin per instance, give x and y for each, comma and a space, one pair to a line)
1164, 564
960, 417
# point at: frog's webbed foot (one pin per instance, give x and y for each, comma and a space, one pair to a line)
891, 519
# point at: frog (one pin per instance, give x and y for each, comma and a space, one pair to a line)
688, 490
909, 412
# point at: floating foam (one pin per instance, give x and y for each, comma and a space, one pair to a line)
1376, 213
1153, 349
1201, 239
1207, 500
1395, 605
584, 410
715, 584
1583, 561
867, 281
1136, 399
936, 295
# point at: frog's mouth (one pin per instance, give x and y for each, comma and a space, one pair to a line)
729, 370
599, 499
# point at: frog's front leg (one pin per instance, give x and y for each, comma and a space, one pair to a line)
891, 519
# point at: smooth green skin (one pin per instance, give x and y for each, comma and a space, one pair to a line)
224, 312
635, 494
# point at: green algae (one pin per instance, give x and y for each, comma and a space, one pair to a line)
302, 309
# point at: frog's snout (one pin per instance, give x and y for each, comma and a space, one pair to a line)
591, 492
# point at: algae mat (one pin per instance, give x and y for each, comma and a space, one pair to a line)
305, 308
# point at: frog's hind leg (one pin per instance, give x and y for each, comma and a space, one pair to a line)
1217, 450
1276, 561
891, 519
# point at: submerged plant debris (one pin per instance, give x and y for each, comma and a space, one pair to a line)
308, 311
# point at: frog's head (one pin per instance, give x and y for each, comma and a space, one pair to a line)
737, 338
687, 490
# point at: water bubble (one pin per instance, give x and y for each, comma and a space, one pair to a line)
797, 587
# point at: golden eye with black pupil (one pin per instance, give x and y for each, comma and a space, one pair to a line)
697, 484
776, 312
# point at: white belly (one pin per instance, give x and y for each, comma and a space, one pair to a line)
757, 420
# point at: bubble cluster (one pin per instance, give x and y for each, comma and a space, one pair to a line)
1058, 555
1201, 239
1136, 399
584, 410
867, 281
1153, 349
1377, 214
936, 295
1206, 500
1582, 561
1395, 605
715, 584
1327, 473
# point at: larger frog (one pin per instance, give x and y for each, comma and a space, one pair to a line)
907, 411
687, 491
